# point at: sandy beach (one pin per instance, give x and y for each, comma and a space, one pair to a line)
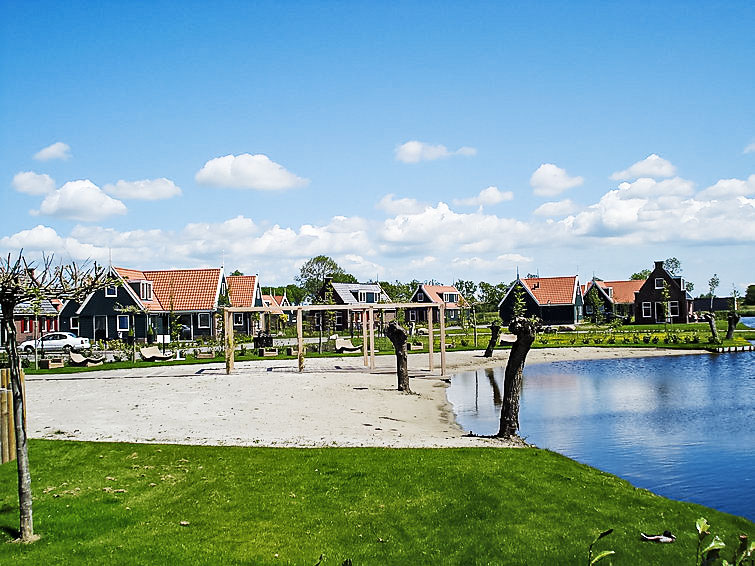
334, 402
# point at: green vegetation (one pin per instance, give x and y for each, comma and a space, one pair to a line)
102, 503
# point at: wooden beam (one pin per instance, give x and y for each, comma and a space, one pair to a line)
442, 322
431, 338
372, 338
300, 338
364, 338
230, 347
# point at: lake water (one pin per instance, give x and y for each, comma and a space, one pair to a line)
681, 426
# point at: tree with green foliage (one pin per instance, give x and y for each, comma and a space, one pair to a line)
23, 282
640, 275
236, 273
713, 284
314, 271
673, 266
399, 292
593, 300
750, 295
490, 295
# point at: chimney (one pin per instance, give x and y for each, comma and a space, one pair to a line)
659, 265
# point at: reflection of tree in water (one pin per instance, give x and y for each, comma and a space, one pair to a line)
497, 397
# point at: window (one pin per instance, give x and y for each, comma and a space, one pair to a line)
111, 291
588, 309
145, 291
420, 297
647, 310
659, 282
450, 297
26, 325
203, 320
238, 319
74, 323
412, 315
123, 325
362, 297
673, 308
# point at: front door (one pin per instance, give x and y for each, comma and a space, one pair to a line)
100, 327
659, 312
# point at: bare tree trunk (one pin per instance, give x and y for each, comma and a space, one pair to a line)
733, 320
26, 523
398, 337
525, 331
711, 318
495, 331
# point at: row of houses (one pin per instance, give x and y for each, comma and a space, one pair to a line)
161, 305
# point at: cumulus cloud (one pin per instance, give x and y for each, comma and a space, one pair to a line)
750, 148
147, 189
652, 166
730, 188
486, 197
393, 205
248, 171
415, 151
33, 183
58, 150
556, 208
550, 180
80, 200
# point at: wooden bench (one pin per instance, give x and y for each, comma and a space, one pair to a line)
51, 363
268, 352
412, 347
205, 355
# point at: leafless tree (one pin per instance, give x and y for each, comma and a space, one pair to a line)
525, 330
398, 337
25, 282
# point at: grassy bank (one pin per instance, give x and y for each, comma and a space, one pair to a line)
125, 504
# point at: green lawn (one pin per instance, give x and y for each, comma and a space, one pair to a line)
124, 504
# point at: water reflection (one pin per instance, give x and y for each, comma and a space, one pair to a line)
680, 426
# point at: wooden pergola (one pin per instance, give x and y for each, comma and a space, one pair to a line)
368, 338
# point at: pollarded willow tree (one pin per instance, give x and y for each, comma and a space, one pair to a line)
28, 282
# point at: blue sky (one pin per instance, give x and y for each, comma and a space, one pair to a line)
406, 140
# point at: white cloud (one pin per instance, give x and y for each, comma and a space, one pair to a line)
557, 208
486, 197
33, 183
58, 150
247, 171
415, 151
80, 200
550, 180
750, 148
652, 166
393, 205
147, 189
730, 188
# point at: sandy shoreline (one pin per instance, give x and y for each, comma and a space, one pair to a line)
335, 402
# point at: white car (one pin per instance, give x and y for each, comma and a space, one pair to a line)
65, 341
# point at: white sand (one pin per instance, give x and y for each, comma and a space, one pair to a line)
334, 402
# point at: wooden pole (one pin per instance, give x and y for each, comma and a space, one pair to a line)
364, 337
372, 339
300, 339
442, 323
430, 336
5, 430
230, 347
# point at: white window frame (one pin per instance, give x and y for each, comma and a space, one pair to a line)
450, 297
673, 308
588, 309
145, 291
111, 291
647, 310
238, 319
25, 325
120, 326
362, 296
199, 320
657, 279
420, 296
412, 315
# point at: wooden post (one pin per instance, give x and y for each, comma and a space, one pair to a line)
5, 430
372, 338
230, 346
300, 339
430, 336
364, 337
442, 323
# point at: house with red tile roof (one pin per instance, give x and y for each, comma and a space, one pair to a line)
555, 300
142, 305
244, 291
447, 295
615, 299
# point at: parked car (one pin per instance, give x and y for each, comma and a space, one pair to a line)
56, 341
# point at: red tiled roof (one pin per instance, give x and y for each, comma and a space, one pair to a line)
553, 290
269, 301
185, 289
241, 290
134, 275
130, 274
623, 291
435, 293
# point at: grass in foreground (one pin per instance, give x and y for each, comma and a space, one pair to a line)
98, 503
